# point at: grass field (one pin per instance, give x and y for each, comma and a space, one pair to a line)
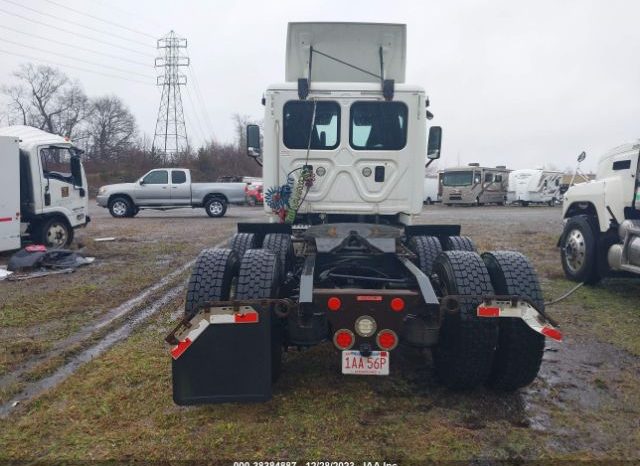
584, 405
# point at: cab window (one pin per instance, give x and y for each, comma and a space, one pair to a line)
178, 177
298, 115
378, 125
488, 177
156, 177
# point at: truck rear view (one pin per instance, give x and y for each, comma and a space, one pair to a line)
340, 258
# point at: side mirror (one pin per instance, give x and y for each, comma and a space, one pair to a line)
141, 181
435, 141
253, 141
76, 170
582, 156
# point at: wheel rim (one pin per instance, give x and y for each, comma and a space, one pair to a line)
215, 207
119, 208
56, 235
575, 250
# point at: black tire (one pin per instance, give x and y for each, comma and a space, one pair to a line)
240, 242
54, 233
211, 278
215, 207
458, 243
259, 277
520, 349
427, 248
578, 250
120, 207
280, 244
463, 358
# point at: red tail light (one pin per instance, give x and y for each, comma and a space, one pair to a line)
334, 303
397, 304
344, 339
387, 340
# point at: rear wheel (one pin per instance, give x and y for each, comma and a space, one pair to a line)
578, 250
280, 244
211, 279
259, 277
520, 349
459, 243
464, 356
427, 248
215, 207
240, 242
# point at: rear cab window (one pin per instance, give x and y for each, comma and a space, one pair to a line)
297, 118
178, 177
378, 125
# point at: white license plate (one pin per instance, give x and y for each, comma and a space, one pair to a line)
376, 364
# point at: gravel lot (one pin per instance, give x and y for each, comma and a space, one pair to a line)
83, 355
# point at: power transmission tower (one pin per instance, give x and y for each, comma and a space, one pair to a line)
171, 132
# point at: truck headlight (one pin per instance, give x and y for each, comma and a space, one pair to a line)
102, 190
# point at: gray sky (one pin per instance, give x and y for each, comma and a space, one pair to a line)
521, 83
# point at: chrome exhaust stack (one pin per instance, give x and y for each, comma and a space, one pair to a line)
626, 256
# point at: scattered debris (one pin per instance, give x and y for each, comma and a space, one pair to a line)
4, 273
104, 240
35, 262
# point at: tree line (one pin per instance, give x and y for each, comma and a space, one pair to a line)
104, 127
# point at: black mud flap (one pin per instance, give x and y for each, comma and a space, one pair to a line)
227, 362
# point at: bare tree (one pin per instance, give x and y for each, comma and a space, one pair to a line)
111, 129
44, 97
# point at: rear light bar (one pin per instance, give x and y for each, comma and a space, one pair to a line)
521, 310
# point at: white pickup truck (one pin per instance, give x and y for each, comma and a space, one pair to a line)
169, 188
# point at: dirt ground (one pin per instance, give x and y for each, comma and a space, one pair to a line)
85, 374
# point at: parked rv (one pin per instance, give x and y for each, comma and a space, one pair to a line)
43, 188
430, 189
474, 185
534, 186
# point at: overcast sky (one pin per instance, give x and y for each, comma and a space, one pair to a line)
521, 83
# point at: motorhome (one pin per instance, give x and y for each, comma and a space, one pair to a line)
534, 186
43, 188
474, 185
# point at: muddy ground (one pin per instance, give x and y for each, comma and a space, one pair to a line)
84, 372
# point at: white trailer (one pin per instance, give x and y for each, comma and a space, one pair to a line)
43, 188
534, 186
430, 189
9, 194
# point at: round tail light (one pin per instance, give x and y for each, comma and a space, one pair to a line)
344, 339
334, 303
397, 304
387, 340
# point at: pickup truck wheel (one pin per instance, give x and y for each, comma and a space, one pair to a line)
427, 248
458, 243
463, 358
259, 277
120, 207
578, 250
520, 349
215, 207
280, 244
240, 242
54, 233
211, 279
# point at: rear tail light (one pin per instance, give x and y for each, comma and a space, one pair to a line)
397, 304
334, 303
387, 339
344, 339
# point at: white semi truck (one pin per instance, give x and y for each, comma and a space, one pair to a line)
601, 234
340, 258
43, 188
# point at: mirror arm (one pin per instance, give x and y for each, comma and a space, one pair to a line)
429, 163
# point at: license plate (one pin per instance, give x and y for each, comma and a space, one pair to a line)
376, 364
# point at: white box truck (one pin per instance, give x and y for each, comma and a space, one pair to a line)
43, 188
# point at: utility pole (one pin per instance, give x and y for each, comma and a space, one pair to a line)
170, 137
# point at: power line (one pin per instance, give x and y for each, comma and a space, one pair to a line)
202, 101
100, 19
44, 60
75, 46
57, 28
74, 58
135, 14
195, 113
68, 21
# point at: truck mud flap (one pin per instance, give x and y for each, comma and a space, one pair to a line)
222, 356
